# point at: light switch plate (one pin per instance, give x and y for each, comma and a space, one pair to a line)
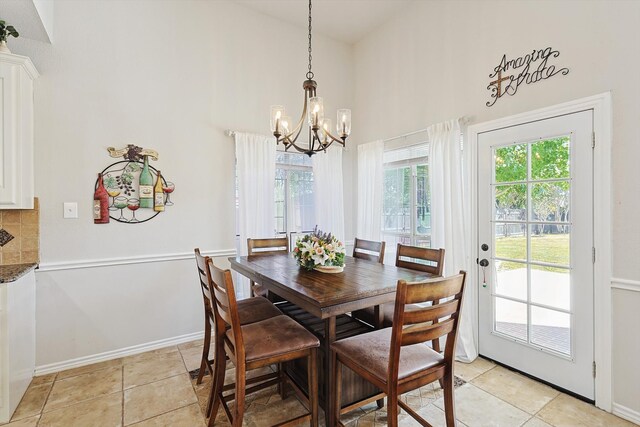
70, 210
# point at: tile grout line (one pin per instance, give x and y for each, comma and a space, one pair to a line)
46, 400
122, 400
164, 413
193, 385
497, 397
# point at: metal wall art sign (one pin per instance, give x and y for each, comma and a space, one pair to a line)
530, 68
131, 187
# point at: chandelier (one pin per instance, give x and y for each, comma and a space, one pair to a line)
319, 128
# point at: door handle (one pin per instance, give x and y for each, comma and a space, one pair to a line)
484, 263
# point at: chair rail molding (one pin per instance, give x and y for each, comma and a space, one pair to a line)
626, 284
142, 259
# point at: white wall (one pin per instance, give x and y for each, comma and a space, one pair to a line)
432, 61
167, 75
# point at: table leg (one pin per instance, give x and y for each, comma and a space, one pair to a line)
378, 316
378, 319
330, 337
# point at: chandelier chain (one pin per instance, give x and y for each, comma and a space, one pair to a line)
310, 73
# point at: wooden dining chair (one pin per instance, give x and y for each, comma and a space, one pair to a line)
369, 250
415, 258
251, 310
395, 359
272, 341
276, 245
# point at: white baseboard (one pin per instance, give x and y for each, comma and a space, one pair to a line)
626, 413
114, 354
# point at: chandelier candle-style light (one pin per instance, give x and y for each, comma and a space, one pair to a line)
320, 136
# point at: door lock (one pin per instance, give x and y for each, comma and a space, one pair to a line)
484, 247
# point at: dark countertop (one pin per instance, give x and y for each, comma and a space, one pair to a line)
11, 273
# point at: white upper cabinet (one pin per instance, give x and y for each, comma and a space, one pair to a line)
17, 74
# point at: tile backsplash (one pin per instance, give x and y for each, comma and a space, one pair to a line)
20, 241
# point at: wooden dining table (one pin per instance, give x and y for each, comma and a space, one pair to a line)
321, 301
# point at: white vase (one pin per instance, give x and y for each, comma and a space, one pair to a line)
3, 47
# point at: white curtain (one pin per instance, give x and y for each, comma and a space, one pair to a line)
256, 169
327, 191
450, 220
370, 176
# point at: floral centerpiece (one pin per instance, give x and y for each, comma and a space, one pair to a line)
320, 251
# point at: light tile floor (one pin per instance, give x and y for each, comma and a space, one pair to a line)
156, 389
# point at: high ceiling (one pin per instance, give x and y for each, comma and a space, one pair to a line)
344, 20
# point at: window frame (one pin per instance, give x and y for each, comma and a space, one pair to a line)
289, 229
413, 164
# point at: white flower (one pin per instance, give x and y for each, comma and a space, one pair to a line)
319, 256
307, 248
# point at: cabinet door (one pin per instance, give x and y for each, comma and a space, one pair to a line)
16, 138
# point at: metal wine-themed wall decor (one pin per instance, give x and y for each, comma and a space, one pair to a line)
131, 190
527, 69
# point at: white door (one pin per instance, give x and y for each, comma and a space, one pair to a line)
535, 222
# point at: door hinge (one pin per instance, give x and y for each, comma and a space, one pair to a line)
594, 369
593, 255
593, 139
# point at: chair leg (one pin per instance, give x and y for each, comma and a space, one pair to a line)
217, 383
449, 401
204, 363
283, 383
312, 379
337, 389
240, 394
392, 406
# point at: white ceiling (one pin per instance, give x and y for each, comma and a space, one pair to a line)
344, 20
24, 15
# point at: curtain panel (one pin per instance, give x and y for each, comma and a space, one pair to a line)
256, 170
328, 191
370, 191
451, 220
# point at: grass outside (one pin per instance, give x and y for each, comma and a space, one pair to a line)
549, 248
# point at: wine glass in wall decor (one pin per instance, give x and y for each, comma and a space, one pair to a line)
138, 191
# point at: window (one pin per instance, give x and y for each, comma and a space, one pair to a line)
406, 211
294, 194
294, 202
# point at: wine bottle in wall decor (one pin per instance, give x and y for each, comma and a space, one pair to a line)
146, 186
158, 195
100, 203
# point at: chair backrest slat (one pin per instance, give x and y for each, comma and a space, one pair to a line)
406, 254
369, 250
226, 307
426, 332
268, 246
432, 290
203, 275
429, 314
